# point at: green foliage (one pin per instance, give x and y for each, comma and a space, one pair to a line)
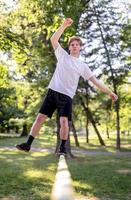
7, 95
125, 110
126, 41
126, 35
3, 76
103, 51
25, 34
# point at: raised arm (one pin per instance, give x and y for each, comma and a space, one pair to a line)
103, 88
56, 36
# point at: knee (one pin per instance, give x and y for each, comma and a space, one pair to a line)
63, 121
40, 118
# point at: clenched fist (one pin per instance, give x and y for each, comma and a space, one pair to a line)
68, 22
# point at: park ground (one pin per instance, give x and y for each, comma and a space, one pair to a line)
98, 173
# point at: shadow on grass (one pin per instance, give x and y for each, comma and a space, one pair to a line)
26, 176
98, 176
125, 146
94, 147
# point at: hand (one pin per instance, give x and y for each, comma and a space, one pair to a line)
68, 22
113, 96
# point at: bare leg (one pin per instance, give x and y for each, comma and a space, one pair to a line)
33, 133
37, 124
64, 128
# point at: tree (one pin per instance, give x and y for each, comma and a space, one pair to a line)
102, 19
26, 31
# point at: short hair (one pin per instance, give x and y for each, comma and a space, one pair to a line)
73, 38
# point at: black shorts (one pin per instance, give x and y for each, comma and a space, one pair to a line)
55, 100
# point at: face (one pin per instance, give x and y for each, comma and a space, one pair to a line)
75, 48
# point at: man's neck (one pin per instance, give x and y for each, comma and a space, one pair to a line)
75, 55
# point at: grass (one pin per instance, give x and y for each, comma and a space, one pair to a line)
102, 177
30, 176
26, 176
42, 141
110, 143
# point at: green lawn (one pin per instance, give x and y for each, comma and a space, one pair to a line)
26, 176
103, 177
30, 176
110, 143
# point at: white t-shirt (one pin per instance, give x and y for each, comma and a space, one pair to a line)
67, 73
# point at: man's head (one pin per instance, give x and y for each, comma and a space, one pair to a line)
74, 45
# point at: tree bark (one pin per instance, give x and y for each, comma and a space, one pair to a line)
90, 117
118, 140
24, 131
107, 132
72, 127
87, 130
94, 125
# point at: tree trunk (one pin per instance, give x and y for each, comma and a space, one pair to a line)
16, 129
90, 117
24, 131
96, 130
68, 147
118, 142
72, 126
87, 130
107, 132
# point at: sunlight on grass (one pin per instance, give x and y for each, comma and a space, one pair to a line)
110, 142
87, 198
101, 177
26, 175
33, 173
39, 154
49, 141
10, 198
2, 157
124, 171
82, 185
127, 146
6, 151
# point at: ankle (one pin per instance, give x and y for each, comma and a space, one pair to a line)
63, 143
30, 140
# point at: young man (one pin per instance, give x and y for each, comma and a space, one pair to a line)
62, 87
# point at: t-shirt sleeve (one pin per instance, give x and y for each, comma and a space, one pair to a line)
59, 52
86, 72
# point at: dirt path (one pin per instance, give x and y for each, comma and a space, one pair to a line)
77, 151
